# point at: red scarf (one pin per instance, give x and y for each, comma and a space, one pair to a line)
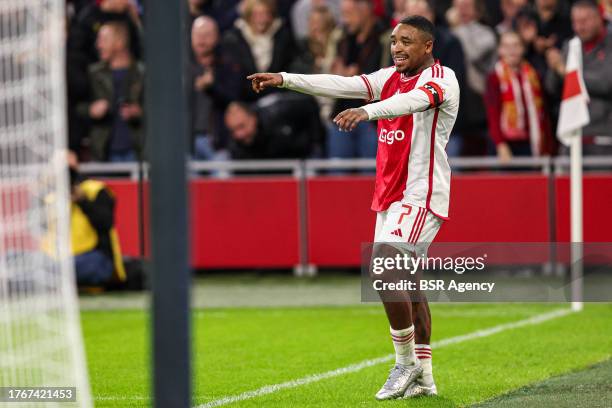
522, 112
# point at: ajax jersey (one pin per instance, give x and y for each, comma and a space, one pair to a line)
411, 162
415, 117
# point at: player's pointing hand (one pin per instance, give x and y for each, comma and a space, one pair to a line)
348, 119
263, 80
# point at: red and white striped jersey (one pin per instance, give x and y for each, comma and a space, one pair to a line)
415, 118
411, 162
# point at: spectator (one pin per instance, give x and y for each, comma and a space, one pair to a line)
81, 53
397, 13
116, 93
280, 126
95, 244
588, 25
526, 25
360, 50
302, 10
448, 48
518, 122
84, 30
554, 25
449, 51
317, 52
258, 42
214, 85
509, 9
479, 45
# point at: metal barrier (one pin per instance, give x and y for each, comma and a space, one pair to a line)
310, 167
305, 171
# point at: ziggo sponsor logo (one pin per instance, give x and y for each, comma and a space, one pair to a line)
391, 137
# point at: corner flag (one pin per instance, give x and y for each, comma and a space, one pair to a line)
574, 113
573, 116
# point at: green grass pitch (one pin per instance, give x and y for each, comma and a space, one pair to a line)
236, 350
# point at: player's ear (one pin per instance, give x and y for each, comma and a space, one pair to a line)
429, 46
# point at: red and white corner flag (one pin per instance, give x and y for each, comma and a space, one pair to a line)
574, 112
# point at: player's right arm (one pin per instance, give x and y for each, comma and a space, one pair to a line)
334, 86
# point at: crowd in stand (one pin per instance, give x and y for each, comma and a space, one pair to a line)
508, 55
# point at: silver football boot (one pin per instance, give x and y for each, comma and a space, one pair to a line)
400, 378
416, 389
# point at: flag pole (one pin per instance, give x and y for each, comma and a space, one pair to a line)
576, 219
573, 116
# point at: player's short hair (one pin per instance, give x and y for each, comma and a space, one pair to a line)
422, 24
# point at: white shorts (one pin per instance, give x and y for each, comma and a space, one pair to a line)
407, 224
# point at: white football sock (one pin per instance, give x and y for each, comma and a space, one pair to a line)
423, 353
403, 342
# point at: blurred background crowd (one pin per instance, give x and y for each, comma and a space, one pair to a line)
508, 55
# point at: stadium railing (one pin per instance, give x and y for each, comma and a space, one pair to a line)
224, 169
302, 208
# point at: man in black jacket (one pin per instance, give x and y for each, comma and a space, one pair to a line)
214, 85
115, 107
81, 52
280, 126
596, 61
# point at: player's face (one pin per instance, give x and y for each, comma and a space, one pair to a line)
410, 48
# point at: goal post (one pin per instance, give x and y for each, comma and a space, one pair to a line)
40, 334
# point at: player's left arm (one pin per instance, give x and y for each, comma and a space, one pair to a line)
432, 93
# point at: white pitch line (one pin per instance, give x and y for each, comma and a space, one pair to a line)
270, 389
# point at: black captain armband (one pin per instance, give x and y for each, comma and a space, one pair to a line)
434, 93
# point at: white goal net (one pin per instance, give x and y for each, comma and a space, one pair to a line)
40, 334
